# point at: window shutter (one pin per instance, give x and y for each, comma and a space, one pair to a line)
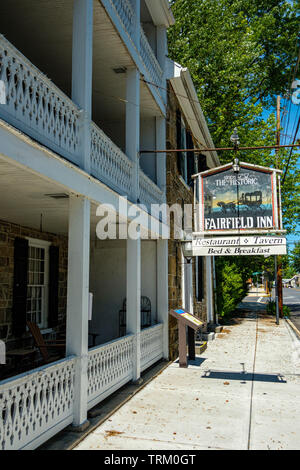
179, 143
190, 159
53, 286
200, 290
20, 285
202, 163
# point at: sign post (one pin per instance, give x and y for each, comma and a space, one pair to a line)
186, 319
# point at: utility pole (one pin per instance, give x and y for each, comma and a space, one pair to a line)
279, 296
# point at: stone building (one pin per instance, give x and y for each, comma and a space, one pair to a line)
190, 280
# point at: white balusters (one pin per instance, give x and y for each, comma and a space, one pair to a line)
149, 192
36, 106
151, 63
110, 366
151, 346
109, 164
126, 15
36, 405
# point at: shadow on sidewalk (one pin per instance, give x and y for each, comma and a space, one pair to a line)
196, 362
243, 376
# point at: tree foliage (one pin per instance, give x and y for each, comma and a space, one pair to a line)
295, 255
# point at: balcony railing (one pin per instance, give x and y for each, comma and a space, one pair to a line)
149, 192
126, 14
36, 106
155, 73
41, 110
109, 164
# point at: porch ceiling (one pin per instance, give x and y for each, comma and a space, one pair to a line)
23, 200
29, 200
42, 31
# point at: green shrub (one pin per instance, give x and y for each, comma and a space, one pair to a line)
231, 289
271, 309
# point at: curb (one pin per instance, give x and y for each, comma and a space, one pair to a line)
294, 328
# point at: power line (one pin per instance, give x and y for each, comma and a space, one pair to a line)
289, 159
266, 147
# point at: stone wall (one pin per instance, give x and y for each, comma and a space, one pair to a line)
8, 233
177, 193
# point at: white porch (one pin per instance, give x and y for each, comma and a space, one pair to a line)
39, 403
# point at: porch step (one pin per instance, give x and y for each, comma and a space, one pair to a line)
200, 347
208, 336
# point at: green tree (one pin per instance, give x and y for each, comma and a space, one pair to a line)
295, 255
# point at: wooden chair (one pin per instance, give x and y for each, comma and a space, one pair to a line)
45, 345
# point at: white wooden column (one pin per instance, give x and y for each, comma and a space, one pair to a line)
209, 290
190, 286
82, 65
162, 292
161, 171
162, 52
133, 126
133, 299
77, 300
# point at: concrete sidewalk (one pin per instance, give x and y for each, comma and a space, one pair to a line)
242, 393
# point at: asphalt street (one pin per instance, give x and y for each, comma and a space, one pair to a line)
291, 298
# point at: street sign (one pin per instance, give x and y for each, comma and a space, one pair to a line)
240, 202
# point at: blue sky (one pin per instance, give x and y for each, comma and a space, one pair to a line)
289, 125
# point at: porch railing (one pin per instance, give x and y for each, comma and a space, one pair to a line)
109, 164
151, 346
126, 14
36, 405
152, 66
36, 106
149, 192
110, 366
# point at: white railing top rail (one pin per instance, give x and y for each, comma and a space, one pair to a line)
108, 142
148, 49
38, 74
109, 343
17, 380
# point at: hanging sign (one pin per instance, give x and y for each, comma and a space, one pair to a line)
236, 246
241, 201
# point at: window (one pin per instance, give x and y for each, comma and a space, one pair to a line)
185, 160
37, 286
